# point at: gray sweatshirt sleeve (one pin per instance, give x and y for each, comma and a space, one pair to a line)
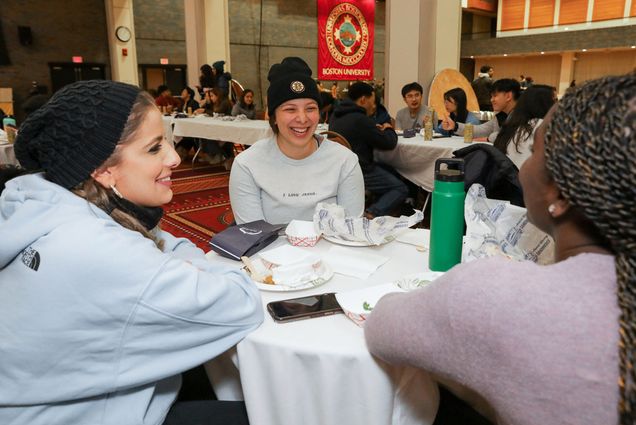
351, 191
481, 130
245, 195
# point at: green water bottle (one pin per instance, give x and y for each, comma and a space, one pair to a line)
447, 215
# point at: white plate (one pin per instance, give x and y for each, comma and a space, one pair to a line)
339, 241
417, 280
328, 274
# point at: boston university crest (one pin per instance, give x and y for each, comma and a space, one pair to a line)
347, 34
345, 39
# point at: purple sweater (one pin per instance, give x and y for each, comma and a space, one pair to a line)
539, 343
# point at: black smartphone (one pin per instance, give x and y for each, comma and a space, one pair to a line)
304, 308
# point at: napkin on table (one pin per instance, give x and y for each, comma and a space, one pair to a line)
353, 262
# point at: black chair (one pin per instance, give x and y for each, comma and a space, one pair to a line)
488, 166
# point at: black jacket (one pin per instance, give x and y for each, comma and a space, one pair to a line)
352, 122
486, 165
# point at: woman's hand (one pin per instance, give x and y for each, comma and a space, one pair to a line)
448, 124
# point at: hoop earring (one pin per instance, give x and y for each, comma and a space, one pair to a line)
116, 192
551, 209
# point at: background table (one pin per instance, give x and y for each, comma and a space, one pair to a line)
319, 371
415, 158
244, 132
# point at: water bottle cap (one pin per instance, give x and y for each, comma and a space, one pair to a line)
454, 171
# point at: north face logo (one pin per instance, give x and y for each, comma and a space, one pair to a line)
31, 258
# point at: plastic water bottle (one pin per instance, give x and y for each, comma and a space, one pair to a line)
447, 215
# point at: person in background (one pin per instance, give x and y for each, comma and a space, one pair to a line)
284, 177
516, 136
381, 115
222, 78
165, 100
37, 97
101, 310
483, 86
245, 105
207, 80
185, 145
456, 103
187, 100
505, 93
335, 93
415, 113
352, 119
216, 151
543, 343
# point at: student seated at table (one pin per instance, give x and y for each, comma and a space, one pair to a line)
553, 343
516, 135
216, 152
505, 93
188, 101
165, 100
283, 177
352, 119
101, 310
456, 103
415, 113
245, 105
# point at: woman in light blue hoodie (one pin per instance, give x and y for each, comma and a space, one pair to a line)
100, 310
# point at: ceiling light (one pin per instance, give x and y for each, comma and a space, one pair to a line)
543, 53
566, 28
584, 50
505, 54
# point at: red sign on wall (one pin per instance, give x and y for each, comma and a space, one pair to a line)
345, 39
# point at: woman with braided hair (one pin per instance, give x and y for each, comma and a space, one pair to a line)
531, 344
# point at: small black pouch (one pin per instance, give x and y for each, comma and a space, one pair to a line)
245, 239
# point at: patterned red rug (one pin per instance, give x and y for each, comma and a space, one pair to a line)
200, 206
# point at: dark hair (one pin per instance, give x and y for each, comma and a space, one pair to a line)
242, 99
357, 90
534, 103
162, 88
505, 85
459, 96
207, 79
412, 86
589, 155
485, 68
190, 92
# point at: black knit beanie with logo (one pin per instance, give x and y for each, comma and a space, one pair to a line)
76, 130
290, 79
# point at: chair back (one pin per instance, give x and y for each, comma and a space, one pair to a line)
336, 137
236, 91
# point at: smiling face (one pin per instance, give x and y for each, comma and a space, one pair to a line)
144, 165
413, 100
296, 120
502, 101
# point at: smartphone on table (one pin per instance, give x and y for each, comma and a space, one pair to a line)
304, 307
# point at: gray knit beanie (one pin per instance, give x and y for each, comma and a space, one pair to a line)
76, 130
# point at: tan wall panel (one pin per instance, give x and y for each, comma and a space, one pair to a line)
544, 69
593, 65
541, 13
572, 12
608, 9
512, 14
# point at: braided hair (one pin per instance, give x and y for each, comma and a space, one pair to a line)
590, 148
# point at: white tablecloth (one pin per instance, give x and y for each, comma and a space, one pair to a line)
319, 371
415, 158
245, 132
7, 154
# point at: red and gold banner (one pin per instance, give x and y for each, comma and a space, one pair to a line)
345, 39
